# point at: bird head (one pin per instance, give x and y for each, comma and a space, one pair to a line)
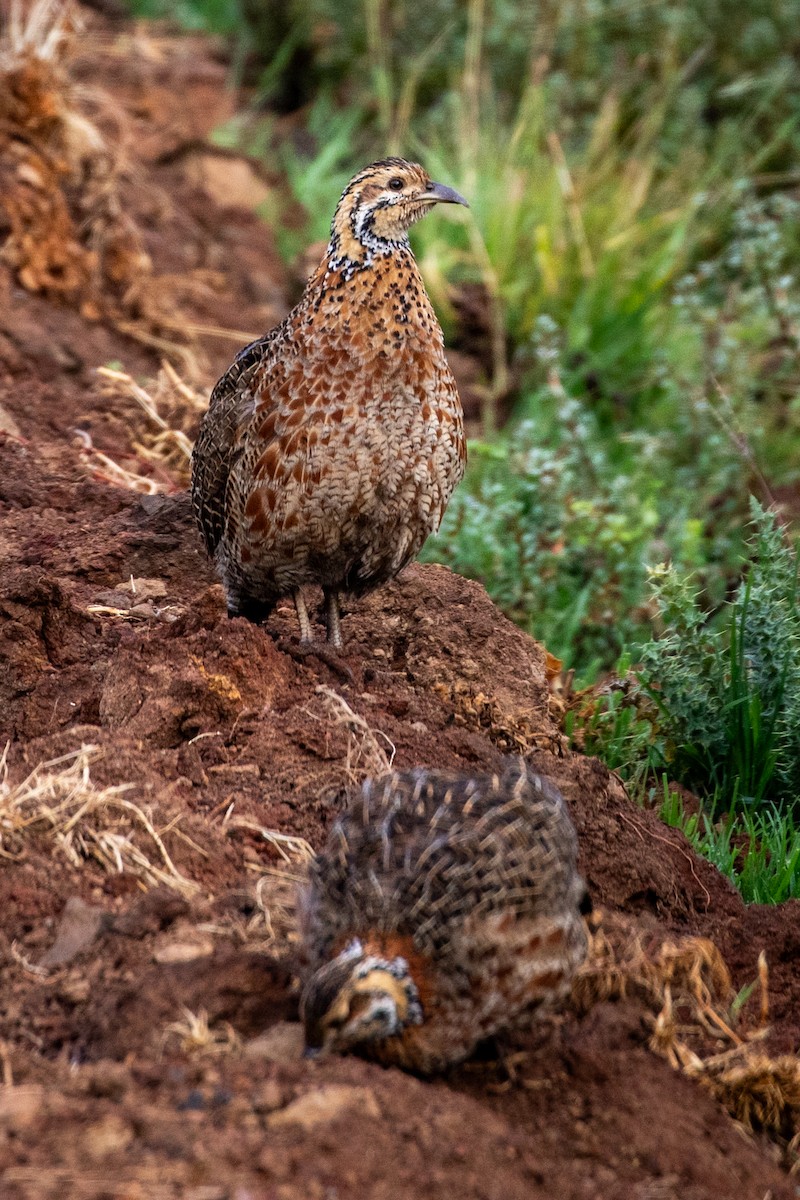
355, 999
379, 206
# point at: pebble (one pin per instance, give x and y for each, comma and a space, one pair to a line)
283, 1042
326, 1104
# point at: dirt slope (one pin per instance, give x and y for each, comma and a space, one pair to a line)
217, 733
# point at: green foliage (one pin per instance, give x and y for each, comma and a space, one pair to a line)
728, 692
560, 522
619, 732
726, 68
758, 851
592, 241
214, 16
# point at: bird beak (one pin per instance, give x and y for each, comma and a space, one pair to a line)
439, 193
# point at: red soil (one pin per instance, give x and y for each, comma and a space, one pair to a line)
199, 714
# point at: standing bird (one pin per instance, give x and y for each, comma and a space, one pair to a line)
332, 445
443, 910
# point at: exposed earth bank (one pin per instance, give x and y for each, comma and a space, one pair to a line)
148, 1015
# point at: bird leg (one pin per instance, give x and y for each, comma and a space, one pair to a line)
334, 619
309, 648
302, 616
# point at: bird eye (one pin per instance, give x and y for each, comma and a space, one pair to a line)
396, 184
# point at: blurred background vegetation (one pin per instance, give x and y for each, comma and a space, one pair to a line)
627, 281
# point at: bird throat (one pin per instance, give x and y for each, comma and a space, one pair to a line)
396, 983
355, 243
349, 252
366, 304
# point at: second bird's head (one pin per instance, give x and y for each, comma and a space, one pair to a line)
358, 998
382, 202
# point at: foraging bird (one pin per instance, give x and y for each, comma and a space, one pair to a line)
444, 909
332, 445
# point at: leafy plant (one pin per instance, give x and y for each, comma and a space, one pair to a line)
603, 721
560, 522
728, 692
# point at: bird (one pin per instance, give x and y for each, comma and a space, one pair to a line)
332, 445
444, 909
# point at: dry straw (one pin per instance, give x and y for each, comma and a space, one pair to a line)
60, 801
170, 409
697, 1025
368, 752
274, 921
160, 421
195, 1036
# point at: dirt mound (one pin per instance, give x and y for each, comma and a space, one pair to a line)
169, 771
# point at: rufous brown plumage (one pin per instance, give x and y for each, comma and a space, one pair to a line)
332, 445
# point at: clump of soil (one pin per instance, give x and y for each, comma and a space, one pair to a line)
169, 771
63, 229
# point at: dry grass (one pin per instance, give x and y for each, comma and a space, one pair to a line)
104, 468
275, 919
171, 408
367, 751
161, 419
697, 1025
60, 801
194, 1035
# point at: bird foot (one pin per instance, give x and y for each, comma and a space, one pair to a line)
322, 651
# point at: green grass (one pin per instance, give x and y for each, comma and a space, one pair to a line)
758, 851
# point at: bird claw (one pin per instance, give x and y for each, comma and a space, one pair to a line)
325, 653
